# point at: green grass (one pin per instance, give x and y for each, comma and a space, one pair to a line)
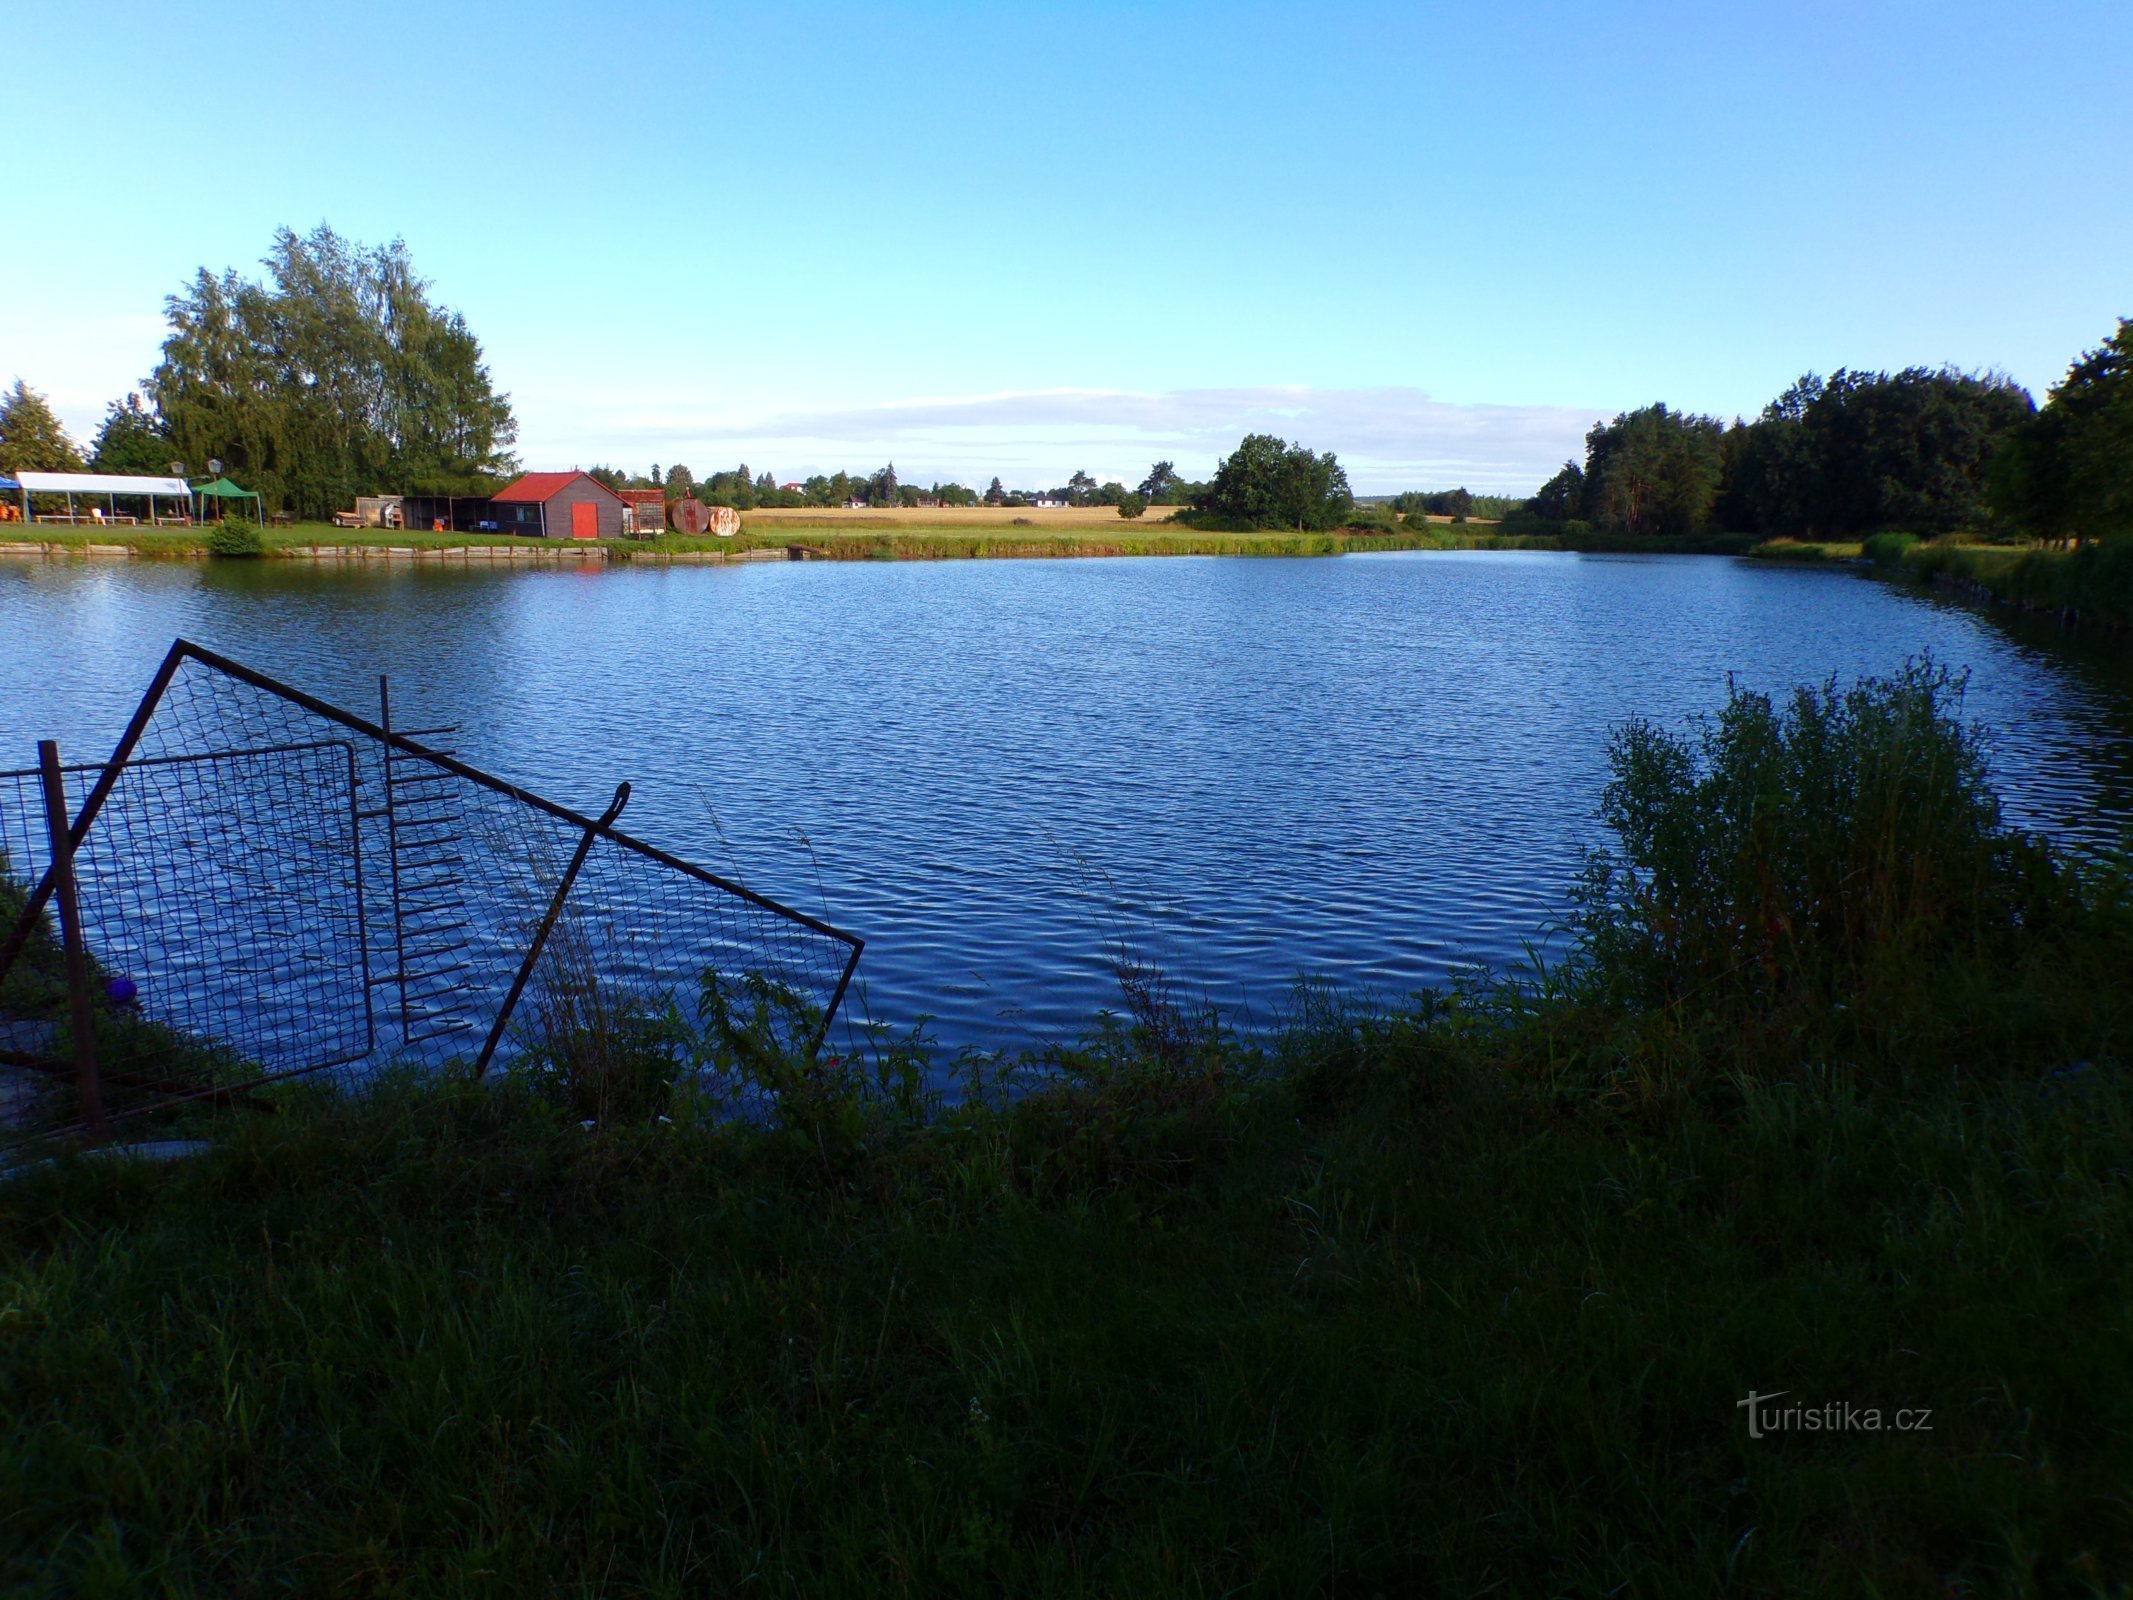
1423, 1331
194, 541
913, 541
1457, 1299
1805, 551
2092, 585
901, 541
1887, 549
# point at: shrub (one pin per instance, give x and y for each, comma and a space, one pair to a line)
1800, 850
236, 536
1886, 549
1132, 505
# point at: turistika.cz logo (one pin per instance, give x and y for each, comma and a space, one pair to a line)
1766, 1416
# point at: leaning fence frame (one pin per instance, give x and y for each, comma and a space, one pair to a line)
591, 828
64, 841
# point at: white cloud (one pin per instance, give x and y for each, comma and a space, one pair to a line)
1388, 438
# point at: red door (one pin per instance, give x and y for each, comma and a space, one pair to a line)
584, 520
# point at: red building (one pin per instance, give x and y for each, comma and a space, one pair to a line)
559, 505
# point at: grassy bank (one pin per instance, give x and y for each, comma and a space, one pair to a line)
1459, 1298
2091, 586
1805, 552
848, 539
861, 536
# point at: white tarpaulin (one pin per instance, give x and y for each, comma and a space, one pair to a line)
101, 483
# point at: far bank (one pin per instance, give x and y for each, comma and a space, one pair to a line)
839, 536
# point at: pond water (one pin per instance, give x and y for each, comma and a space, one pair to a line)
1372, 769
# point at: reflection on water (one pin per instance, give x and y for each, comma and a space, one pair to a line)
1372, 768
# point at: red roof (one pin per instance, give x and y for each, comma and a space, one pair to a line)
539, 486
644, 497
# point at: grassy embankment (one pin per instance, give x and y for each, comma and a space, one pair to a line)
931, 534
1458, 1299
2091, 586
835, 535
1805, 552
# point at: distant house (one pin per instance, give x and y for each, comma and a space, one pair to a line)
793, 488
1048, 505
650, 508
560, 505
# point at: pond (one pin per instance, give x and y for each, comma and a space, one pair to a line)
1372, 769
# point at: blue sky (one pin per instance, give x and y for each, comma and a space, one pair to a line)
982, 238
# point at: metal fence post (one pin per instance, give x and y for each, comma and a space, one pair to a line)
60, 827
540, 936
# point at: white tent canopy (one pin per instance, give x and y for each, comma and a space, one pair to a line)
102, 483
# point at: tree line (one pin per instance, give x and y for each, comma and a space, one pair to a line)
2067, 472
744, 490
1924, 450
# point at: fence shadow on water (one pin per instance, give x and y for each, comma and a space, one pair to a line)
258, 885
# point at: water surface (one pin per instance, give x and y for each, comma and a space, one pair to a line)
1371, 769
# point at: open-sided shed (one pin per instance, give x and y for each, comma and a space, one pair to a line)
95, 496
648, 511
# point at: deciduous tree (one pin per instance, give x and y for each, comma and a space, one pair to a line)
1270, 483
2068, 471
333, 377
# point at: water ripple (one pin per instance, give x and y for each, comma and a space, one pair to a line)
1376, 769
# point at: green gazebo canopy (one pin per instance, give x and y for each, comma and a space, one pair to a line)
223, 489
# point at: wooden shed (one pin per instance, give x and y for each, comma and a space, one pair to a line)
559, 505
650, 509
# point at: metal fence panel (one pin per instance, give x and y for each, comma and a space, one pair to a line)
275, 886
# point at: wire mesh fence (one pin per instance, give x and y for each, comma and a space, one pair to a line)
271, 886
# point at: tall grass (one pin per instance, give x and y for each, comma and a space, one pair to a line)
1887, 549
1377, 1302
2092, 585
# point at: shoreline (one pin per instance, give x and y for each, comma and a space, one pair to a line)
814, 543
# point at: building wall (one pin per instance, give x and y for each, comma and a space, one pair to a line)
552, 516
584, 490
